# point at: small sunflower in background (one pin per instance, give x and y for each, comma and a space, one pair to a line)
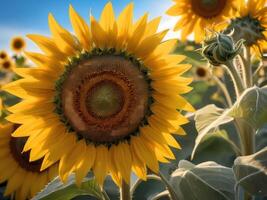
3, 55
106, 99
7, 64
18, 44
251, 25
202, 73
24, 178
196, 15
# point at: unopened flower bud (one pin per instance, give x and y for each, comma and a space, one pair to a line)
220, 48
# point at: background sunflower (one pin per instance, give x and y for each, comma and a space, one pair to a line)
198, 15
16, 169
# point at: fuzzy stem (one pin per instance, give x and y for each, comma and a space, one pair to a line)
223, 89
172, 193
125, 193
246, 68
238, 85
247, 143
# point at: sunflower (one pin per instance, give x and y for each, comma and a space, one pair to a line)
251, 25
107, 99
7, 64
23, 178
196, 15
201, 73
3, 55
17, 44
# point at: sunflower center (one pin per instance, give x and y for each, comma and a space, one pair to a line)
6, 65
208, 8
3, 55
18, 44
104, 98
247, 28
16, 147
201, 72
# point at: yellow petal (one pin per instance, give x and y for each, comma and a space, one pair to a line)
107, 17
99, 36
63, 39
101, 166
15, 181
48, 46
144, 153
85, 164
123, 160
124, 25
148, 45
138, 33
81, 29
138, 166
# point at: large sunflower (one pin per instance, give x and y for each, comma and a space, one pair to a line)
251, 25
196, 15
24, 178
105, 99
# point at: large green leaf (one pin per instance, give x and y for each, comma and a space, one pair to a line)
251, 107
217, 147
207, 180
208, 119
251, 172
59, 191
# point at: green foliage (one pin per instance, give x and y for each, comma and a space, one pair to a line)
251, 172
216, 147
57, 190
207, 180
148, 189
250, 107
208, 119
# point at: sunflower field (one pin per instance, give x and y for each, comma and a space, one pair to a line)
116, 106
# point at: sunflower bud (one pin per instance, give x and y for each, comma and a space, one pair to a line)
220, 48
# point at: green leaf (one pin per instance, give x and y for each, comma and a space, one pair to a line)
57, 190
216, 147
251, 172
207, 180
148, 189
208, 119
251, 107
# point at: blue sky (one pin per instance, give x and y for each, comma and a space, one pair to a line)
19, 17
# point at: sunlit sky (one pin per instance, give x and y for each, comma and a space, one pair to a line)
20, 17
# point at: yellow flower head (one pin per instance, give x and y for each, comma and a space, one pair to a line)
18, 44
24, 178
105, 99
251, 25
7, 64
3, 55
196, 15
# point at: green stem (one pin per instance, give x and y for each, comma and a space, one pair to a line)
247, 137
238, 84
221, 85
247, 143
246, 68
125, 193
172, 193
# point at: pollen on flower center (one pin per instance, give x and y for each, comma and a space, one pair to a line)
16, 147
208, 8
104, 98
